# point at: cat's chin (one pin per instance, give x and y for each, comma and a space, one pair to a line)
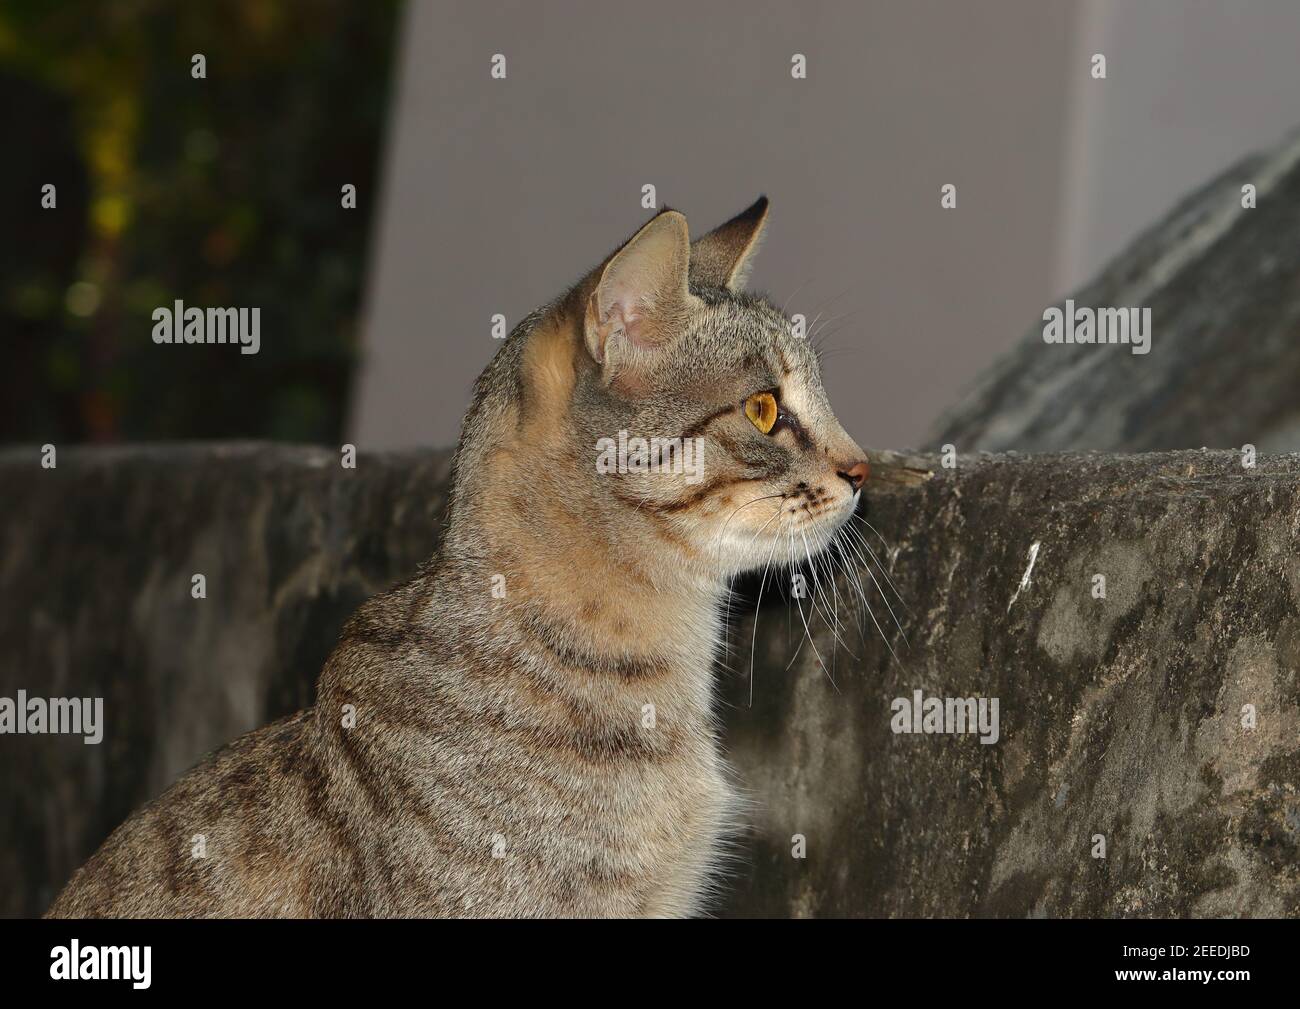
792, 542
820, 530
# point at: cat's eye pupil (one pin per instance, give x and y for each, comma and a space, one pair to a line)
761, 409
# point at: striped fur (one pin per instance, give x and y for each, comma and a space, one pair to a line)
504, 760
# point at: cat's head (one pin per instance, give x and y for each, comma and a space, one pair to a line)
681, 413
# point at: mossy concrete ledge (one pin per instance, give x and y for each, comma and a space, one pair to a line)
1148, 739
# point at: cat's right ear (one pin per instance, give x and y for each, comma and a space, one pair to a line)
722, 258
641, 299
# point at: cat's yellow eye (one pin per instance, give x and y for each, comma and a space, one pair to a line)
760, 408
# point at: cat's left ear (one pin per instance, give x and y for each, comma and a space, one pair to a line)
641, 300
723, 257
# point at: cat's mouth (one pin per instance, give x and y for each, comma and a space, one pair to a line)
817, 505
805, 521
810, 518
826, 518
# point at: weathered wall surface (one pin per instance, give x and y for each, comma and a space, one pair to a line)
96, 558
1119, 716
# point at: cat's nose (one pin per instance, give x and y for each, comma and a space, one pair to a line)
856, 474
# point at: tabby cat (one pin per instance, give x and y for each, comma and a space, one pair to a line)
533, 730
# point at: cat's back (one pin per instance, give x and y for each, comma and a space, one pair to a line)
239, 835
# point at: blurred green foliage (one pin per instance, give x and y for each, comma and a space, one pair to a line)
224, 191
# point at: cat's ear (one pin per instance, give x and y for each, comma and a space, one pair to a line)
641, 299
722, 258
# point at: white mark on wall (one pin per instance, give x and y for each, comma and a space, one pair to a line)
1024, 579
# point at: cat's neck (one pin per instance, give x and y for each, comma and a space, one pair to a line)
534, 543
605, 590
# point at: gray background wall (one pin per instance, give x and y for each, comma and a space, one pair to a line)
1193, 85
499, 193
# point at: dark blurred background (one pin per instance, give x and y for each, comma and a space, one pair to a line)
222, 191
479, 196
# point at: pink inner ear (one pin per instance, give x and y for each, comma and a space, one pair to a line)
642, 289
630, 313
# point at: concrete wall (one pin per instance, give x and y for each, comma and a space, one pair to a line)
1119, 717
